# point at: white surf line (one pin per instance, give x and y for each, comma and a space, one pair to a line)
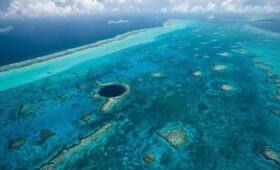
28, 71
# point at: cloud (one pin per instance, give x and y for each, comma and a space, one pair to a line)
6, 29
236, 6
117, 22
186, 7
62, 8
242, 7
51, 8
183, 7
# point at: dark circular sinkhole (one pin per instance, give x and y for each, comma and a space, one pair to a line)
113, 90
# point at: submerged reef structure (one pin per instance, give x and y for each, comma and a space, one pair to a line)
45, 134
157, 75
16, 144
79, 86
25, 109
226, 87
175, 137
270, 154
197, 73
64, 96
85, 118
276, 112
113, 92
148, 158
218, 67
108, 104
224, 54
63, 154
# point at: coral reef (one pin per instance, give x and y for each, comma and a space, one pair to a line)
226, 87
270, 154
94, 94
27, 108
157, 75
65, 153
79, 86
175, 137
148, 158
275, 111
277, 97
16, 144
108, 104
219, 67
197, 73
224, 54
46, 133
64, 96
85, 118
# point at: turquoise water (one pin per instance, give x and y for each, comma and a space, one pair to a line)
216, 81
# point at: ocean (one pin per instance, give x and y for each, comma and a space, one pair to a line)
31, 38
191, 94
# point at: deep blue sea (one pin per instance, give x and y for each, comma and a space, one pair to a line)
32, 38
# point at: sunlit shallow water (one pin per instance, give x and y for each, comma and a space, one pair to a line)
218, 82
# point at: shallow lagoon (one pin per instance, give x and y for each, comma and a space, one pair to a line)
227, 115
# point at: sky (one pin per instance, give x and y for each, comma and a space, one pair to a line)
10, 9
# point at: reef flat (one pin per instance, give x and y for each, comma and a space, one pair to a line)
188, 95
